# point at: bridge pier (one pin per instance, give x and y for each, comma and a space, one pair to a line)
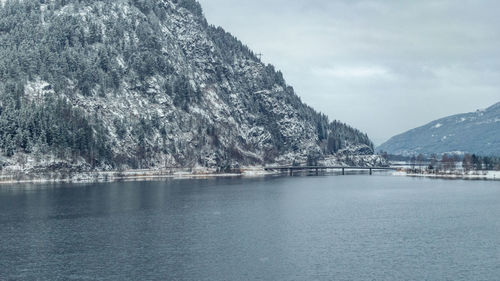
291, 172
343, 171
317, 171
371, 172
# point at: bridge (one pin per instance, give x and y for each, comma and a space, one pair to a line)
410, 164
291, 169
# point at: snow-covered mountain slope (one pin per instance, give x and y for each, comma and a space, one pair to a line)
476, 132
146, 84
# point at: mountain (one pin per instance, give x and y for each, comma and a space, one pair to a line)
101, 85
476, 132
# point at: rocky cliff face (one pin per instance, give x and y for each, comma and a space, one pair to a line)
146, 84
476, 132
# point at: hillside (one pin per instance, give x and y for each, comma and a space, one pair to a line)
101, 85
476, 132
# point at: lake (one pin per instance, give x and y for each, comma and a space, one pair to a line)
355, 227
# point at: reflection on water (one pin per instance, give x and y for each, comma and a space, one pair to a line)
281, 228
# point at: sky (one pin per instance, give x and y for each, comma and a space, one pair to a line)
382, 66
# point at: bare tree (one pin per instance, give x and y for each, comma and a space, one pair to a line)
467, 163
420, 160
444, 161
448, 162
434, 162
413, 161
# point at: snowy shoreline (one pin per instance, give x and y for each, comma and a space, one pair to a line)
476, 175
130, 175
150, 175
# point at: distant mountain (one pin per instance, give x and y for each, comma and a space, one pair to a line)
476, 132
146, 84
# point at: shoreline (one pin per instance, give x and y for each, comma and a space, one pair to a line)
126, 176
485, 176
151, 175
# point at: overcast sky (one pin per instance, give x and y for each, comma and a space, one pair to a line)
382, 66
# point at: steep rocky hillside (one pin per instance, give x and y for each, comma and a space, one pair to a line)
476, 132
145, 84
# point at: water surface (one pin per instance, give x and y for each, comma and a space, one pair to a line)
355, 227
